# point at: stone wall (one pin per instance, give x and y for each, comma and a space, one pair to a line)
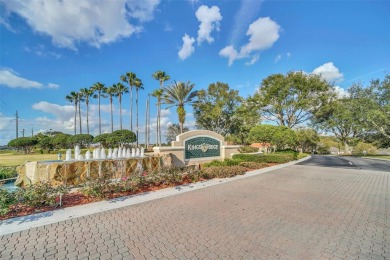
77, 172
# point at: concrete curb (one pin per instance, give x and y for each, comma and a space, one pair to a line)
27, 222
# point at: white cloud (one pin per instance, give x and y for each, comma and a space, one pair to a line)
63, 113
11, 79
254, 59
209, 19
263, 33
230, 53
187, 49
329, 72
278, 58
71, 22
52, 85
340, 92
168, 28
288, 54
246, 13
193, 2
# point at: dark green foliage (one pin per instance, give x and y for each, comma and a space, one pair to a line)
121, 137
222, 171
102, 139
248, 149
60, 141
6, 200
280, 136
41, 194
264, 158
253, 165
290, 152
24, 143
7, 172
83, 140
226, 162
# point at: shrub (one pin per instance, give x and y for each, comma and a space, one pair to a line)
253, 165
96, 188
364, 148
292, 153
222, 171
264, 158
248, 149
7, 172
226, 162
6, 200
41, 194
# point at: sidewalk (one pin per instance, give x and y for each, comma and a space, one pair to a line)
27, 222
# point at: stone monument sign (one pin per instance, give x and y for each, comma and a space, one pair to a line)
197, 146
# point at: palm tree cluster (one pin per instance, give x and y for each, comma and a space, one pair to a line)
177, 94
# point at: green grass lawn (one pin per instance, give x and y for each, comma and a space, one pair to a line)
14, 159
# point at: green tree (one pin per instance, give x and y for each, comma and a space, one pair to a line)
60, 141
340, 117
83, 140
79, 100
292, 99
179, 94
46, 142
173, 130
245, 117
73, 98
216, 108
138, 85
364, 148
102, 139
374, 109
130, 78
280, 136
86, 94
121, 137
161, 76
99, 88
26, 144
111, 92
307, 139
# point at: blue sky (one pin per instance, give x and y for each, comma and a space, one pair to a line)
50, 48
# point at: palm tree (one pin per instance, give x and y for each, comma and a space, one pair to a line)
79, 99
138, 85
111, 92
99, 87
120, 89
130, 78
161, 76
87, 93
73, 98
158, 94
179, 94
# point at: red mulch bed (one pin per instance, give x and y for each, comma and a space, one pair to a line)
77, 198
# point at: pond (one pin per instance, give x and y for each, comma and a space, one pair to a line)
9, 186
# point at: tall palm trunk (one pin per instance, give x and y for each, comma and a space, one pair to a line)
75, 117
112, 117
136, 104
100, 122
86, 102
182, 116
81, 131
131, 108
120, 110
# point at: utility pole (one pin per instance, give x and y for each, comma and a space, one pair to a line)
22, 132
17, 127
32, 132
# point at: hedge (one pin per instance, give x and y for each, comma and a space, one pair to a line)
264, 158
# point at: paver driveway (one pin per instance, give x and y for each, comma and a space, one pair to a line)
299, 212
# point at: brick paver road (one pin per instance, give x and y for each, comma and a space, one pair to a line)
299, 212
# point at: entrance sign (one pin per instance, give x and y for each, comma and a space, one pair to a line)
202, 147
196, 147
